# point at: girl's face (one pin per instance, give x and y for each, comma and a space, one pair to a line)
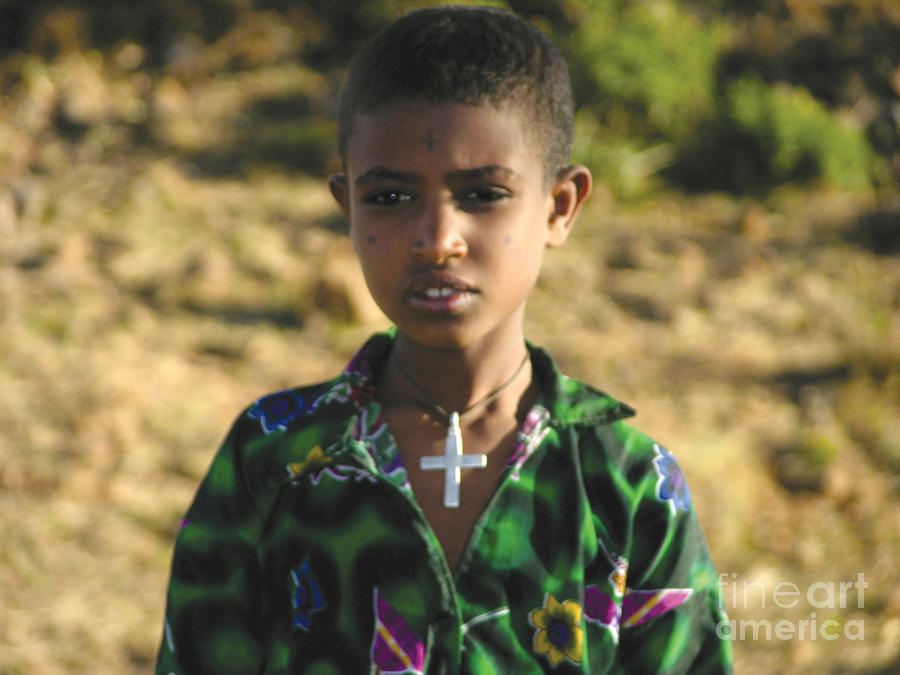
450, 215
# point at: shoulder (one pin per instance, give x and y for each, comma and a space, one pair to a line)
571, 402
269, 438
278, 411
284, 426
593, 419
333, 400
612, 451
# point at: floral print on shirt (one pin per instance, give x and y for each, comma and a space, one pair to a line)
304, 535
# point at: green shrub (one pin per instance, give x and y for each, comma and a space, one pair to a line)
644, 74
647, 67
627, 166
803, 138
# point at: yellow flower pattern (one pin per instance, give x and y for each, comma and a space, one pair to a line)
559, 633
315, 458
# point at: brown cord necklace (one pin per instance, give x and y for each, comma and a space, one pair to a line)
453, 459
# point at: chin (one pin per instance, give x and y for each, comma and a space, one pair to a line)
436, 339
437, 334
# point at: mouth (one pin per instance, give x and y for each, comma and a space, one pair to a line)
435, 293
440, 294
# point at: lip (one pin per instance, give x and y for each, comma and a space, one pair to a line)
463, 293
419, 282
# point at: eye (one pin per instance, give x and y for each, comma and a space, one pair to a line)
388, 198
483, 196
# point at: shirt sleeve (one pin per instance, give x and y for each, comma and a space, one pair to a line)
669, 613
213, 600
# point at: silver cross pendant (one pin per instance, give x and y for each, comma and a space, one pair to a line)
452, 461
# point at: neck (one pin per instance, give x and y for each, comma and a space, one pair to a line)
456, 379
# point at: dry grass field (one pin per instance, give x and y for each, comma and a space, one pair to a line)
150, 290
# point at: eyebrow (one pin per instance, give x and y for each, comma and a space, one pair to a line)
491, 171
378, 173
496, 171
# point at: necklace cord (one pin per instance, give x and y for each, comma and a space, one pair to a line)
483, 401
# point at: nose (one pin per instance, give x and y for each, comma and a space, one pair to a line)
440, 237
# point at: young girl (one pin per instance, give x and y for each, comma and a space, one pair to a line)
450, 503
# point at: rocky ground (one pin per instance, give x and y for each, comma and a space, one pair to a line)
163, 262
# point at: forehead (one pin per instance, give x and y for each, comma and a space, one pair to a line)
404, 134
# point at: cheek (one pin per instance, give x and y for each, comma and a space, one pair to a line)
376, 255
368, 243
512, 251
381, 246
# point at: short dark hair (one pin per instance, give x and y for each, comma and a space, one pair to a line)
469, 55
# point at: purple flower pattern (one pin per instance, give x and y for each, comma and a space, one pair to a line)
306, 598
533, 431
276, 411
395, 648
672, 486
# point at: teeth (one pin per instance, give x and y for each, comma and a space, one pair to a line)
435, 293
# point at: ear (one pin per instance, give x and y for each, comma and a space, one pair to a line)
569, 192
340, 190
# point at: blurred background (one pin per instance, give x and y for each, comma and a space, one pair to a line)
169, 252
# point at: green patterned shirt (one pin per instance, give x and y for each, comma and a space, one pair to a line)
305, 551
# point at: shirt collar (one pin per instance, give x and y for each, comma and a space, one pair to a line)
568, 401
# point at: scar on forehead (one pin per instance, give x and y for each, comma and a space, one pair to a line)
429, 140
